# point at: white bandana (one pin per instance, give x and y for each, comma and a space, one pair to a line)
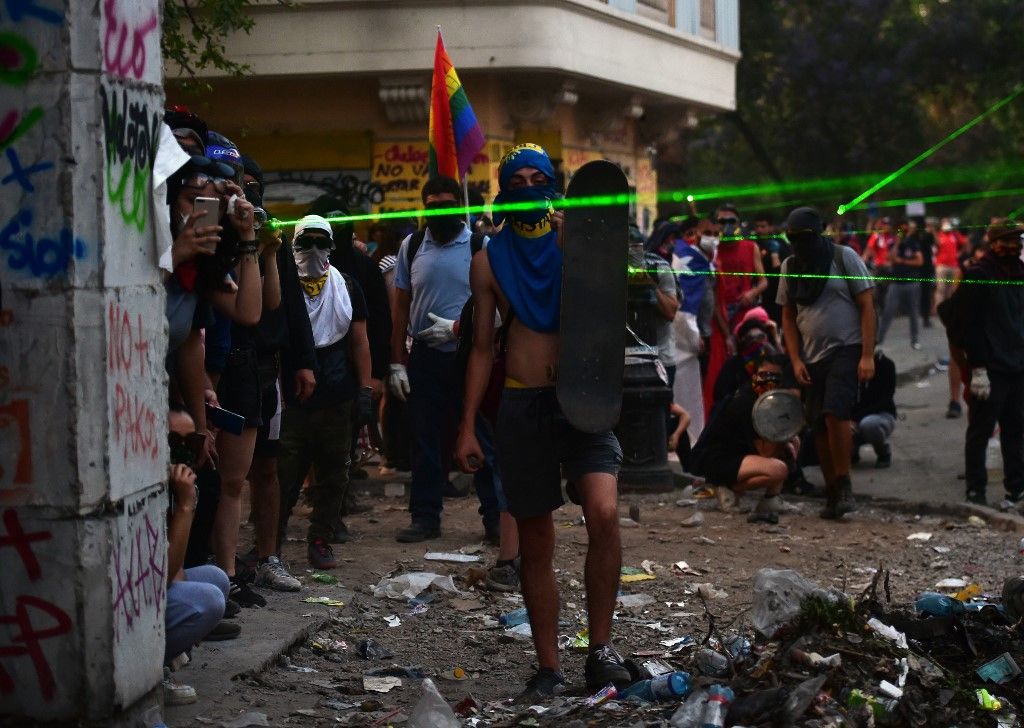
330, 313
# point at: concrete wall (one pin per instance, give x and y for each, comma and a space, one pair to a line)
83, 452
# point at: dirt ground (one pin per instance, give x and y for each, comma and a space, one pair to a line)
461, 631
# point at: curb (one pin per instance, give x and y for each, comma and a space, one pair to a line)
1010, 522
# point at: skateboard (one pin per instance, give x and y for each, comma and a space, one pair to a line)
593, 315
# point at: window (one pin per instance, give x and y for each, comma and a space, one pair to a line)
707, 19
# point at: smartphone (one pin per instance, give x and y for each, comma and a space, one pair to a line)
225, 419
211, 205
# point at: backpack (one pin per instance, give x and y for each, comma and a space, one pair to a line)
492, 397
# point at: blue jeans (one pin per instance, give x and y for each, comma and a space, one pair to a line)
194, 607
874, 430
435, 401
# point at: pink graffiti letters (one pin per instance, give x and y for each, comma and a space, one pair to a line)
119, 56
139, 571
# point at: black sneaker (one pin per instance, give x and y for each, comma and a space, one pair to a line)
246, 597
341, 533
884, 459
977, 497
543, 685
953, 411
417, 532
605, 666
224, 630
231, 608
321, 555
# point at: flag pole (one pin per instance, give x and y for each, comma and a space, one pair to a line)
465, 196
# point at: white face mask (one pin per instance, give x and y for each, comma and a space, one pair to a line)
709, 244
312, 262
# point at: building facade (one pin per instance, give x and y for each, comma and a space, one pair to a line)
337, 96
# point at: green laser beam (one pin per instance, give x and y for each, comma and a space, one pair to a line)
1016, 213
942, 198
836, 276
918, 178
931, 150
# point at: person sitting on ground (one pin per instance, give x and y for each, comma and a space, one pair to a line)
735, 457
753, 333
874, 415
196, 596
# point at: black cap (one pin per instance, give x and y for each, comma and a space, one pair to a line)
804, 220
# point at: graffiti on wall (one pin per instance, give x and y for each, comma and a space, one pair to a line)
131, 135
25, 247
140, 582
35, 620
136, 426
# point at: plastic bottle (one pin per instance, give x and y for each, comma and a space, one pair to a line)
712, 664
515, 617
720, 698
938, 605
994, 460
663, 688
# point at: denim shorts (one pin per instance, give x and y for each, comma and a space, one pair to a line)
536, 444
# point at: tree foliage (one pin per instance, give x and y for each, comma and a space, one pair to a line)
194, 32
835, 88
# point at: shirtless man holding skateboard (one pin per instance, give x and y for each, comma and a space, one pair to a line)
521, 277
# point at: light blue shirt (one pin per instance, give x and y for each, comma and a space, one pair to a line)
438, 282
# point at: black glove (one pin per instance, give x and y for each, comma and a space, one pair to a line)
364, 406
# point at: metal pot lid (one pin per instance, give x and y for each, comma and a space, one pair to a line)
778, 415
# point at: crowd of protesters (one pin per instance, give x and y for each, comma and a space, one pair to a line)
285, 344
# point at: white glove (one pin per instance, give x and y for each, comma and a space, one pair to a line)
981, 387
442, 331
398, 381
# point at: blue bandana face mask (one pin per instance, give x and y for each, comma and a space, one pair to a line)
535, 195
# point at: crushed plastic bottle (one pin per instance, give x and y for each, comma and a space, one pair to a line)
720, 697
713, 664
663, 688
515, 618
689, 714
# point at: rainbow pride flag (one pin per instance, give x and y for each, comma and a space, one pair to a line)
455, 134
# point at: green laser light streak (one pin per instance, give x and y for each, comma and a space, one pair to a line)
835, 276
931, 150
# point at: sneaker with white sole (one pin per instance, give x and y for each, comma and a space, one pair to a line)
176, 693
273, 574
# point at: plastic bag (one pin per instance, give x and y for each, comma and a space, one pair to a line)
432, 710
408, 586
778, 594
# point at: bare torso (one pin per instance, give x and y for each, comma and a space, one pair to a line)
531, 357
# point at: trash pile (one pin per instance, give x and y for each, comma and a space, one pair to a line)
816, 657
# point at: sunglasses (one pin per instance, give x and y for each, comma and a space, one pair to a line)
305, 242
767, 377
727, 220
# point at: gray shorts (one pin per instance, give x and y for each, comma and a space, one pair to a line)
834, 386
536, 444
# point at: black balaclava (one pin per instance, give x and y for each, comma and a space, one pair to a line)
812, 255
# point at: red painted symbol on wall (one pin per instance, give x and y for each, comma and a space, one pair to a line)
26, 641
22, 542
16, 412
